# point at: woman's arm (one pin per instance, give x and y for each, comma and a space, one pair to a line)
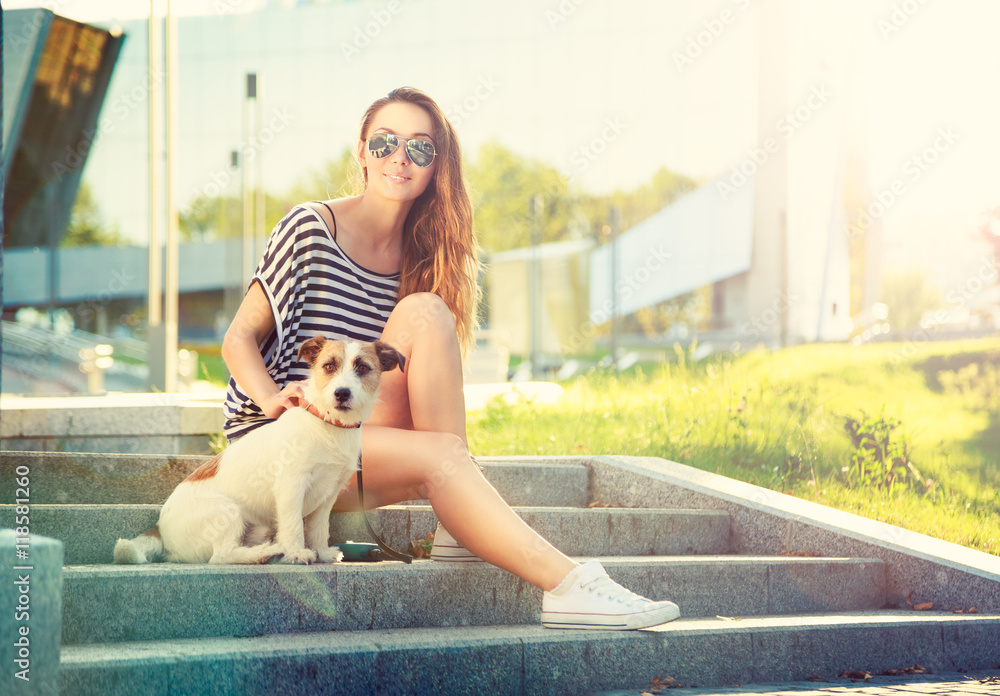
241, 351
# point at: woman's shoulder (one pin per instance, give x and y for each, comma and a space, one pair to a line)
300, 222
304, 213
297, 233
330, 212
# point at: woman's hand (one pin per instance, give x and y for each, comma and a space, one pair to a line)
289, 397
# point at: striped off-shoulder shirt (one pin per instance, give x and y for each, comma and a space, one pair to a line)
313, 289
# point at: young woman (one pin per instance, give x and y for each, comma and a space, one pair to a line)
398, 262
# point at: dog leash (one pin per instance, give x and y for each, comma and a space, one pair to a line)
389, 551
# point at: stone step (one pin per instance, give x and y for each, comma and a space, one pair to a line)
89, 532
83, 478
109, 603
530, 660
136, 423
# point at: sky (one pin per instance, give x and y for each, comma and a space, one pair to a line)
610, 92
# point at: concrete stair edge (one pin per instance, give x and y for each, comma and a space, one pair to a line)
87, 478
89, 532
106, 603
768, 522
533, 660
66, 418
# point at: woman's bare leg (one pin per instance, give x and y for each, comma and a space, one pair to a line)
410, 464
415, 447
429, 395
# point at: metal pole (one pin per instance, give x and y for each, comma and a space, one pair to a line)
155, 309
615, 309
535, 287
248, 206
154, 300
53, 261
258, 248
234, 251
172, 253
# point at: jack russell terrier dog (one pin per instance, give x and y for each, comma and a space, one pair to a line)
271, 492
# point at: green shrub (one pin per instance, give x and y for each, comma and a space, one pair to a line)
878, 459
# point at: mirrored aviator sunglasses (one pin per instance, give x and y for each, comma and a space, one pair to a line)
420, 152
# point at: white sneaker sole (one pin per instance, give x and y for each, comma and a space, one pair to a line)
610, 622
453, 554
448, 550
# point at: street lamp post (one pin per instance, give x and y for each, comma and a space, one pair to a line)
163, 290
535, 287
172, 272
154, 319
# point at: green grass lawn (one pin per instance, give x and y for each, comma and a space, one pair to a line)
777, 419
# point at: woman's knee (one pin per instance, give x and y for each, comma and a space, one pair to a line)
444, 456
419, 314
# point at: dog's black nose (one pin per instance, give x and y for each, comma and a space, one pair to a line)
342, 394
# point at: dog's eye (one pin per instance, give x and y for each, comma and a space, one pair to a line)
362, 369
329, 367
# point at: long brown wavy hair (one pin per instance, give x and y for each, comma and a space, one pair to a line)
440, 254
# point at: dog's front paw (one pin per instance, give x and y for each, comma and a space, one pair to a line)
331, 554
302, 556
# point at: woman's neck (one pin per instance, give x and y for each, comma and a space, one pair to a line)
382, 220
371, 231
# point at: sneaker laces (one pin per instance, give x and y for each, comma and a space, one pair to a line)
604, 586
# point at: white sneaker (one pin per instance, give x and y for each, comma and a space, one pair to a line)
446, 548
589, 599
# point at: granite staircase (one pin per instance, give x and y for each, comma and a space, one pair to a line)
768, 590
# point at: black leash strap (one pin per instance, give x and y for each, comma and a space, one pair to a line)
389, 551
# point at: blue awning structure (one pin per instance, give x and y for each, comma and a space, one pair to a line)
55, 76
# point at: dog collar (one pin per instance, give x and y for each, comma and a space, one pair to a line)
326, 419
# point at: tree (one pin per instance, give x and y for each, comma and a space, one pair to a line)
636, 205
211, 218
86, 224
337, 177
989, 230
503, 185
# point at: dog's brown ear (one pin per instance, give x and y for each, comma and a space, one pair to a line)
389, 357
310, 349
